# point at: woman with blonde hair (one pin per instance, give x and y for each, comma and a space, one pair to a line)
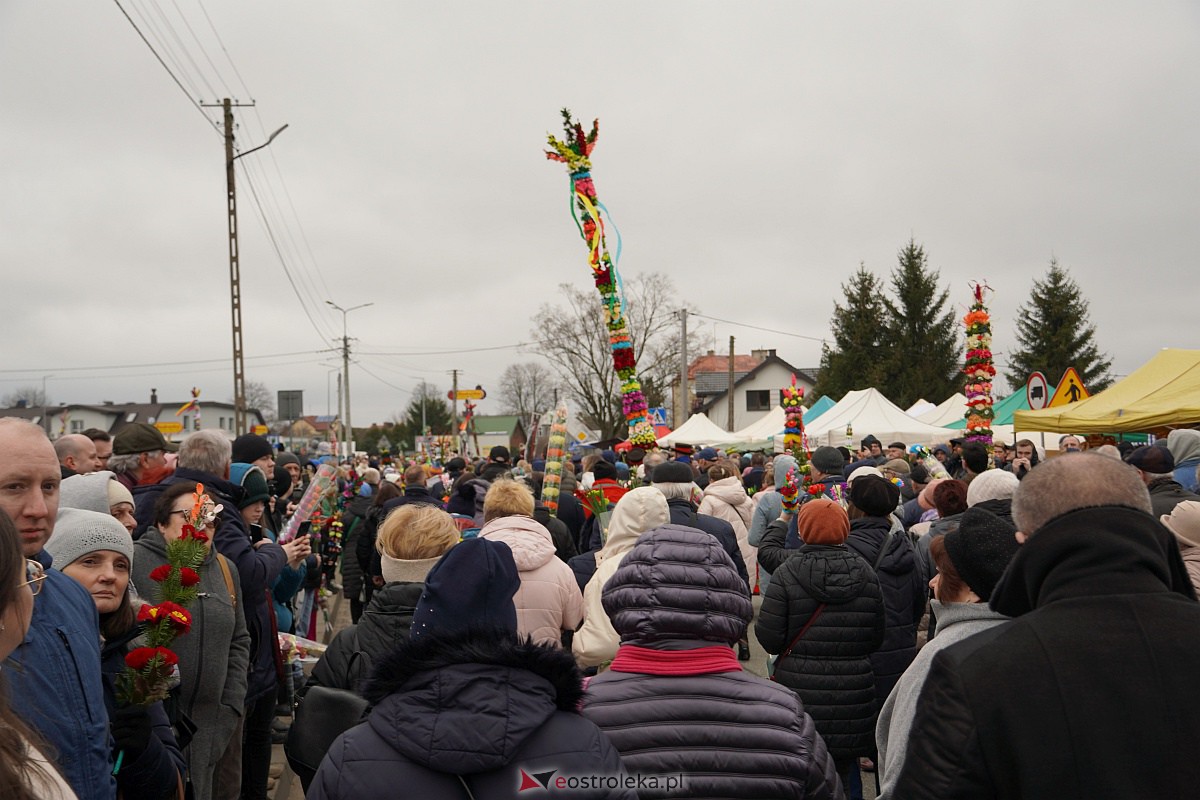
549, 602
411, 540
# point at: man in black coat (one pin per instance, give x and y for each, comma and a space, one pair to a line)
415, 491
1156, 466
1090, 691
674, 480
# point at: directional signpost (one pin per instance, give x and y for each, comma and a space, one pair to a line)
1037, 391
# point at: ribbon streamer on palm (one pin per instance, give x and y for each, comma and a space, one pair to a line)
979, 369
574, 151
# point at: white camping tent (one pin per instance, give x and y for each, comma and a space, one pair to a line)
920, 407
868, 411
764, 430
949, 410
699, 430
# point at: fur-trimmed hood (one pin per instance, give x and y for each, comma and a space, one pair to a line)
467, 703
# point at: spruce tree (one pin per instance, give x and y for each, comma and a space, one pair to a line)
921, 337
1054, 333
855, 359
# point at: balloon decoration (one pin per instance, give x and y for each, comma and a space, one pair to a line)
979, 369
589, 214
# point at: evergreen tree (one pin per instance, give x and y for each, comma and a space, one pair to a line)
1053, 333
437, 414
856, 359
921, 337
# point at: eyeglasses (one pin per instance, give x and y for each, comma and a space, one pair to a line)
180, 511
35, 574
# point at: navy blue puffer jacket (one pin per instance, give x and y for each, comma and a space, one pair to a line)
830, 667
730, 733
467, 714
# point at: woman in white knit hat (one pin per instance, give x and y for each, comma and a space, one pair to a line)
96, 551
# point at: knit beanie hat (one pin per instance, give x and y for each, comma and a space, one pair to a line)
981, 549
672, 472
925, 498
828, 460
875, 497
992, 484
822, 521
285, 457
88, 491
1184, 521
250, 447
78, 532
471, 588
117, 493
255, 488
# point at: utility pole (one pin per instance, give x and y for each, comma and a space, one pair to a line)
685, 407
235, 278
341, 425
729, 421
454, 410
349, 428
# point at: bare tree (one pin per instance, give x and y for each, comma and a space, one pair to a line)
260, 397
573, 339
527, 389
30, 396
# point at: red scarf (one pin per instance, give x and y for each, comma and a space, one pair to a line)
700, 661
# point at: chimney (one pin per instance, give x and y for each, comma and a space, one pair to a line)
712, 352
153, 396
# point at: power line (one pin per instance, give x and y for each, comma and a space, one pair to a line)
381, 380
448, 352
191, 99
757, 327
92, 367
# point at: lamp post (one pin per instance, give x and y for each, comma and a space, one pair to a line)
346, 371
235, 279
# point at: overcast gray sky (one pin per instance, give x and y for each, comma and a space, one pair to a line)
755, 152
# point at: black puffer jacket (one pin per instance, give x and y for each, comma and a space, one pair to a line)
905, 589
384, 625
733, 734
354, 523
462, 717
830, 667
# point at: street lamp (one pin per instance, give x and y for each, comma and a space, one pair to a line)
349, 437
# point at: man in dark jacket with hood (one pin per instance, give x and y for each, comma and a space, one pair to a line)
1090, 691
465, 708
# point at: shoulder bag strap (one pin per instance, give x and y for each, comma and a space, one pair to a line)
228, 578
803, 631
882, 547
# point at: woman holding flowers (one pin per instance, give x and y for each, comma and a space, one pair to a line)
214, 655
97, 552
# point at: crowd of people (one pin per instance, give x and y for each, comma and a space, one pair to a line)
995, 624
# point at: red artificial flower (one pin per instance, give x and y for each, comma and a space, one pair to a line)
138, 659
188, 531
188, 577
200, 536
816, 489
160, 573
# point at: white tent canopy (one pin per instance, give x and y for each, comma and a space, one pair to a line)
698, 430
949, 410
867, 411
920, 407
765, 429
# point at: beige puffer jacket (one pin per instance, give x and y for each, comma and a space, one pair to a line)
548, 601
727, 500
640, 510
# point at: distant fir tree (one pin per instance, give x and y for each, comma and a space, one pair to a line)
856, 358
1053, 333
921, 335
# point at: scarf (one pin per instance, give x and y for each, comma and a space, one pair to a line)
700, 661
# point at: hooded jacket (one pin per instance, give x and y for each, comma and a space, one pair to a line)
733, 733
640, 510
956, 621
468, 716
726, 499
1184, 445
383, 626
89, 492
213, 656
905, 590
1166, 493
354, 524
548, 602
830, 666
1088, 693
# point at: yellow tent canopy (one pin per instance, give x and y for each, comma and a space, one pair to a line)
1162, 393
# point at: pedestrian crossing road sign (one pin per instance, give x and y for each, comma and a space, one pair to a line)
1070, 389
